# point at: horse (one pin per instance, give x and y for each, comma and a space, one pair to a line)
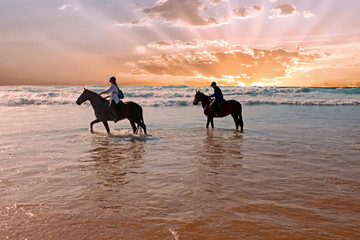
132, 111
232, 107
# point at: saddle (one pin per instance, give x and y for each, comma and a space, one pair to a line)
217, 107
221, 102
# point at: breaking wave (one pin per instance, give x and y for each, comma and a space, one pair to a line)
180, 95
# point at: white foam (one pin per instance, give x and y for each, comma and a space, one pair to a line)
183, 95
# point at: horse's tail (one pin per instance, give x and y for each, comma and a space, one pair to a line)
240, 119
136, 115
142, 117
141, 120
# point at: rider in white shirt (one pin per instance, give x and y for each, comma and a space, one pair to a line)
115, 103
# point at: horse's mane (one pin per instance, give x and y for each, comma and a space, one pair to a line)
96, 95
204, 98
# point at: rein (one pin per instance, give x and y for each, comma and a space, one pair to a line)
205, 99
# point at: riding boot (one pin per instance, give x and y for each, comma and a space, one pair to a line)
215, 108
214, 111
217, 111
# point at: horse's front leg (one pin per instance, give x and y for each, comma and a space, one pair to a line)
92, 123
106, 126
210, 120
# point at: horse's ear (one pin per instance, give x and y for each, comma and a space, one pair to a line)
196, 91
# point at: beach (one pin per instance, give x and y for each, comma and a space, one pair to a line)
294, 173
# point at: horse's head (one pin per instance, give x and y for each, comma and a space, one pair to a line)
83, 97
197, 97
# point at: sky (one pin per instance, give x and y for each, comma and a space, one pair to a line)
311, 43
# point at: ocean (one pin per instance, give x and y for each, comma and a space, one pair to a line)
294, 173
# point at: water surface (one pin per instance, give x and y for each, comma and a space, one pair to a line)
293, 174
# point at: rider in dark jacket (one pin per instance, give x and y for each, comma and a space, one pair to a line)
218, 98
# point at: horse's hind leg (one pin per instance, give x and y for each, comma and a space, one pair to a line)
133, 126
236, 120
91, 125
142, 124
106, 126
241, 123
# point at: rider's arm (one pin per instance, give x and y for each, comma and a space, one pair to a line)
107, 91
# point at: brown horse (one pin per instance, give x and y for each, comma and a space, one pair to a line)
232, 107
132, 111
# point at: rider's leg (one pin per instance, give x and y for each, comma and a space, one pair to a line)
214, 107
114, 110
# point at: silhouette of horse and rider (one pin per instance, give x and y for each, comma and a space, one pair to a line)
219, 107
115, 109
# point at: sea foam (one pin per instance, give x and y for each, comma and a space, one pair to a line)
156, 96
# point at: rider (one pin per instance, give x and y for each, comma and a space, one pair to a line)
115, 103
218, 98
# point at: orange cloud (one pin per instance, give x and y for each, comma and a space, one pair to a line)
194, 44
241, 65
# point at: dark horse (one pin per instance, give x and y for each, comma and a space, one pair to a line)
132, 111
232, 107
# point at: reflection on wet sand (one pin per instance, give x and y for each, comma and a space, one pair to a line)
112, 158
220, 147
215, 185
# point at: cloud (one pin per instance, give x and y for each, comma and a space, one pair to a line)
161, 45
244, 12
308, 14
185, 12
64, 6
68, 6
195, 44
283, 10
243, 64
135, 23
140, 50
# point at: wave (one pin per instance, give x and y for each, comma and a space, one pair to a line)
349, 91
180, 95
175, 86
